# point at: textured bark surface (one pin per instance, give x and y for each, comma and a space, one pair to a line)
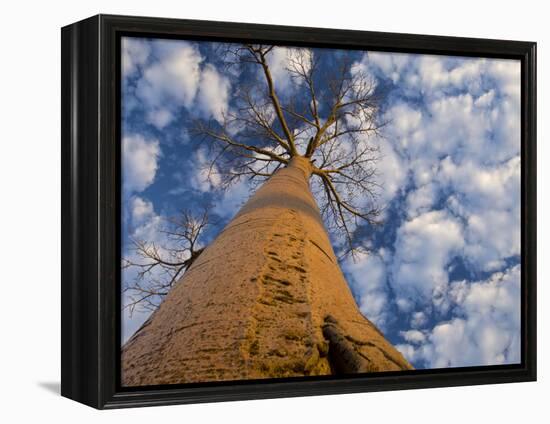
266, 299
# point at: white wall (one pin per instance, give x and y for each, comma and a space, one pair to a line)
29, 178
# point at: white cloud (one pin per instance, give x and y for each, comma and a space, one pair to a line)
389, 65
492, 237
141, 209
434, 76
435, 73
170, 80
174, 75
421, 200
462, 142
468, 104
392, 172
508, 74
485, 332
424, 247
413, 336
159, 117
444, 125
418, 319
233, 199
488, 199
213, 93
135, 53
455, 124
369, 281
486, 99
139, 162
280, 60
204, 175
404, 118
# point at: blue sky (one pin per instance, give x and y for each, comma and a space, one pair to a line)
443, 277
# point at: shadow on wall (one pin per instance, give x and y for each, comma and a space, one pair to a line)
51, 386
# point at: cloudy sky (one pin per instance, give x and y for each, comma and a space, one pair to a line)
442, 280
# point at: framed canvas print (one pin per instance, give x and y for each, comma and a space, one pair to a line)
256, 211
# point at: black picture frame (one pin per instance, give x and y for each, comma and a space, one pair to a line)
91, 179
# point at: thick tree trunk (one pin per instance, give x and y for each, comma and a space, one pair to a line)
266, 299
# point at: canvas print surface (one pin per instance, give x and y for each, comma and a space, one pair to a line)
304, 212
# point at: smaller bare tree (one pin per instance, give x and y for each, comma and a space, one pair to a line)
159, 265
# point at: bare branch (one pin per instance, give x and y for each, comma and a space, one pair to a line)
157, 266
274, 98
329, 115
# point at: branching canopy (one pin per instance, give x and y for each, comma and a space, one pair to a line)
328, 117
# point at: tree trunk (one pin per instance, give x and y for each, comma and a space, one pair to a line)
266, 299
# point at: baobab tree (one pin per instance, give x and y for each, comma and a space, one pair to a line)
267, 297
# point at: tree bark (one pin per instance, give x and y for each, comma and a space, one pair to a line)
266, 299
